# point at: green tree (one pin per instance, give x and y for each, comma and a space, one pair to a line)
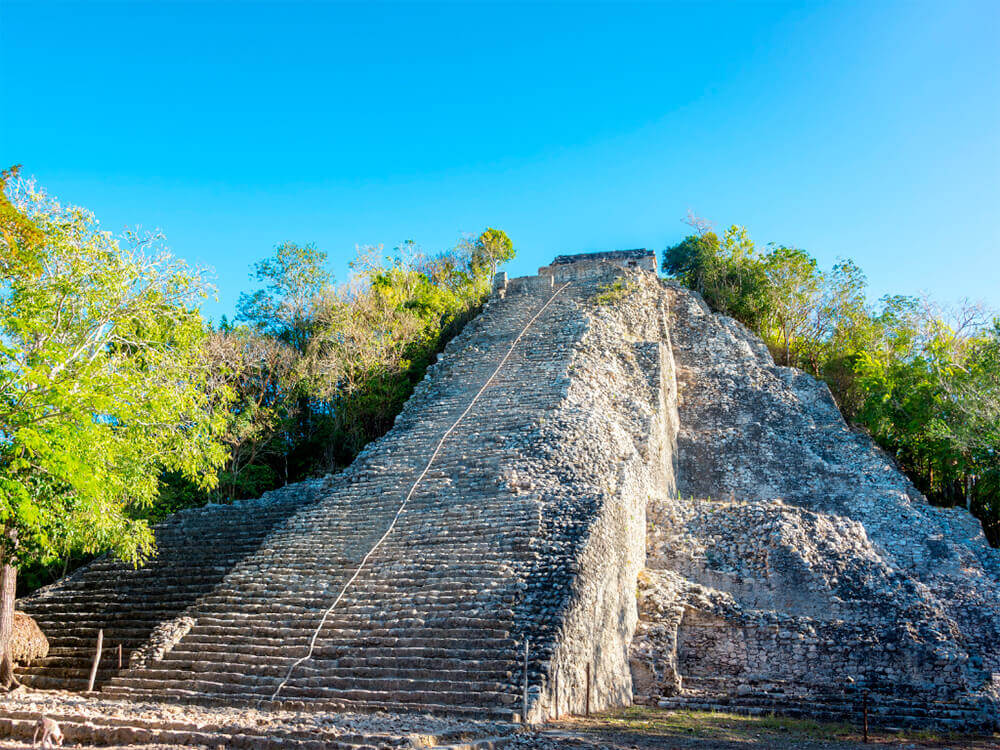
293, 277
797, 319
20, 236
978, 400
726, 272
812, 316
101, 386
490, 249
262, 376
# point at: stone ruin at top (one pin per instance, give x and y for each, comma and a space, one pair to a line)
598, 466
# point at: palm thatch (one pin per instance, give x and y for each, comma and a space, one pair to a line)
27, 642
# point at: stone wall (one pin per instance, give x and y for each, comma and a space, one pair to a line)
615, 434
796, 555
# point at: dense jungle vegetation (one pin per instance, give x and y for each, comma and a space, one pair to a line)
120, 404
923, 380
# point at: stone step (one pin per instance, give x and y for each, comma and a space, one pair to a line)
306, 676
889, 695
313, 703
106, 732
237, 623
72, 670
460, 652
283, 638
453, 669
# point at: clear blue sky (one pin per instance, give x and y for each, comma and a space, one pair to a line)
862, 129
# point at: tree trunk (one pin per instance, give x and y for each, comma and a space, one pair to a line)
8, 590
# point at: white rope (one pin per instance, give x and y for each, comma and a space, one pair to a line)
399, 512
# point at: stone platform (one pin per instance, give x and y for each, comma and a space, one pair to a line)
101, 722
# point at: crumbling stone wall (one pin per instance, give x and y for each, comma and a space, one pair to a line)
621, 386
796, 554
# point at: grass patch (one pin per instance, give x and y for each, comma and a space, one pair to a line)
656, 721
768, 731
616, 291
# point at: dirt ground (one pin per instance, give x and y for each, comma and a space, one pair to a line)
641, 728
646, 728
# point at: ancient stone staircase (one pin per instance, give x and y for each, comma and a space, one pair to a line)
197, 548
478, 562
429, 624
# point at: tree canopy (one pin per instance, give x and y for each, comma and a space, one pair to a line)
102, 376
319, 369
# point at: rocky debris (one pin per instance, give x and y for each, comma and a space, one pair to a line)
97, 721
163, 638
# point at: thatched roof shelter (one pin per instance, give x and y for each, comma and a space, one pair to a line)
27, 642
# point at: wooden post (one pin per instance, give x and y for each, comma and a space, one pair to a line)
524, 716
588, 691
864, 704
97, 660
555, 678
119, 657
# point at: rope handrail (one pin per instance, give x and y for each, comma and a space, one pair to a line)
399, 511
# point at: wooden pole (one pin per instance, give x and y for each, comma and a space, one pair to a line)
864, 703
524, 716
97, 660
119, 657
556, 680
588, 690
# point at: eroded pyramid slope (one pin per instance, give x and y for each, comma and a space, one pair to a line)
797, 563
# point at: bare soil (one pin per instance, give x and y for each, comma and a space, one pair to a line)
641, 728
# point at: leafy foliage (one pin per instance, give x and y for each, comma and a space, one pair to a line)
103, 385
725, 272
319, 370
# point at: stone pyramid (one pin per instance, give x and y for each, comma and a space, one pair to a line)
594, 433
